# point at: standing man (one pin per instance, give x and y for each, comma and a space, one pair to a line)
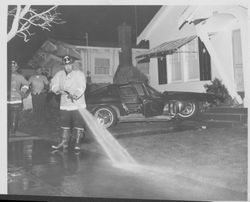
39, 85
71, 84
18, 88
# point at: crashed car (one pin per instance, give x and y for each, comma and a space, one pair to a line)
109, 103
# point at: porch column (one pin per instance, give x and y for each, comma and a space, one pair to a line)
244, 19
203, 35
84, 66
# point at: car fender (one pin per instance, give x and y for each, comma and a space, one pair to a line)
187, 96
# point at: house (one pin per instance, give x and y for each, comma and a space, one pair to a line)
98, 61
192, 45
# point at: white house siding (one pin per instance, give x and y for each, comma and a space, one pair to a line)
153, 72
190, 86
167, 30
143, 67
222, 43
221, 47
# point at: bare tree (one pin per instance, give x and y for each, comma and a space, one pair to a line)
22, 18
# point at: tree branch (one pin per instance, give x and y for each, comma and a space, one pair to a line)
26, 17
15, 22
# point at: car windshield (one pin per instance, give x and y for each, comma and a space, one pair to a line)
139, 89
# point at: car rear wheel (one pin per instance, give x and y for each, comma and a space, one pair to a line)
106, 116
189, 111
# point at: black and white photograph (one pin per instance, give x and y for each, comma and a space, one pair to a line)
126, 101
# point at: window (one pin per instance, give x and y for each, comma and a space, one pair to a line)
176, 66
102, 65
184, 65
128, 95
192, 58
139, 89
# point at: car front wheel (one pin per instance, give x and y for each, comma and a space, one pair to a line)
106, 116
190, 110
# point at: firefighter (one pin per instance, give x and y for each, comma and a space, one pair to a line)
19, 86
70, 83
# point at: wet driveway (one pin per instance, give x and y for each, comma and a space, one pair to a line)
35, 170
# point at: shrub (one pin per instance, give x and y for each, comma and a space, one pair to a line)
219, 90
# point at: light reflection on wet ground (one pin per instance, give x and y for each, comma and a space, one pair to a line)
35, 170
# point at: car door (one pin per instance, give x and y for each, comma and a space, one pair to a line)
152, 105
130, 98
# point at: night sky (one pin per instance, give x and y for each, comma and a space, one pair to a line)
100, 22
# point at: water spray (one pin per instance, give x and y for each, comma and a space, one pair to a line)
117, 153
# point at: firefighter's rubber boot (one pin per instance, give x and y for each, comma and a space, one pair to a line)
14, 122
79, 135
64, 142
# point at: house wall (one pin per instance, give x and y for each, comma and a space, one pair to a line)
167, 27
222, 50
88, 56
160, 35
221, 41
191, 86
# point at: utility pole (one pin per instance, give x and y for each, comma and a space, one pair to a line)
86, 37
136, 25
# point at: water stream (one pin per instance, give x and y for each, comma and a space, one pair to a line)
110, 145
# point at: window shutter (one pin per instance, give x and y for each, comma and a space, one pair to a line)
205, 62
162, 70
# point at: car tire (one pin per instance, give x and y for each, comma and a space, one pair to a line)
190, 110
106, 115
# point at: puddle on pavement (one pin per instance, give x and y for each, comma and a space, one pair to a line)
34, 169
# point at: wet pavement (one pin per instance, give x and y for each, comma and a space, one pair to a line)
35, 170
177, 161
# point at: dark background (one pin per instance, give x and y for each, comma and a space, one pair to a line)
100, 22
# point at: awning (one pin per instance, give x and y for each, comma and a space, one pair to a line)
167, 48
143, 60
